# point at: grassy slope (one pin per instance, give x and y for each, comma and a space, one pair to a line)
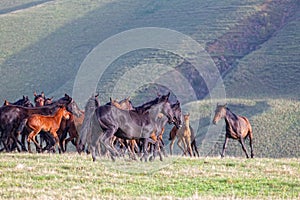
275, 127
58, 35
30, 176
271, 71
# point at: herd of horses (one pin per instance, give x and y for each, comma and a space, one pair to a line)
114, 129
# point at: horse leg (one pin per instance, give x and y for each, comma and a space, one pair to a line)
242, 141
57, 141
156, 150
32, 137
162, 147
195, 149
251, 143
23, 138
224, 146
188, 143
179, 144
22, 131
94, 145
172, 145
145, 149
185, 145
106, 139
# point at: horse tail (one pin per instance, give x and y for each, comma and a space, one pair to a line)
85, 130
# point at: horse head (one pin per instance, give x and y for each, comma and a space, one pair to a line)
177, 114
220, 113
39, 99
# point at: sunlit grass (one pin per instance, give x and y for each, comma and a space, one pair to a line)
34, 176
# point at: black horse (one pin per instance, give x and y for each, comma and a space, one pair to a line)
25, 102
21, 102
107, 121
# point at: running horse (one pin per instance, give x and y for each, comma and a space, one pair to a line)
139, 123
237, 127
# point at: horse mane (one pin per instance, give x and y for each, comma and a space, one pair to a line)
146, 106
232, 115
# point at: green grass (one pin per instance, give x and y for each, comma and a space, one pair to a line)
36, 176
275, 124
271, 71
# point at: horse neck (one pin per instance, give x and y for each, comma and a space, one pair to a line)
58, 116
187, 123
230, 116
154, 111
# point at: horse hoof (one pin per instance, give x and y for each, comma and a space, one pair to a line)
151, 158
113, 158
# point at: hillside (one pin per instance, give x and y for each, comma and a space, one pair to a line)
253, 44
51, 39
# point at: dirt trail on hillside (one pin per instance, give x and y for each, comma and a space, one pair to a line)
251, 32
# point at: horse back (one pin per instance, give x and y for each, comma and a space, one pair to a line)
247, 123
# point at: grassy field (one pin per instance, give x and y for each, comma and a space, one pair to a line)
43, 43
71, 176
275, 124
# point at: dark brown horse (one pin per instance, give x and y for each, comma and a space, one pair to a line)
37, 123
21, 102
139, 123
237, 127
7, 131
39, 99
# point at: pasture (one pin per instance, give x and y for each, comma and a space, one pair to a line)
44, 42
73, 176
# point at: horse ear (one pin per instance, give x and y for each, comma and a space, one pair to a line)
166, 98
96, 95
6, 102
128, 98
110, 99
43, 94
225, 105
35, 93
